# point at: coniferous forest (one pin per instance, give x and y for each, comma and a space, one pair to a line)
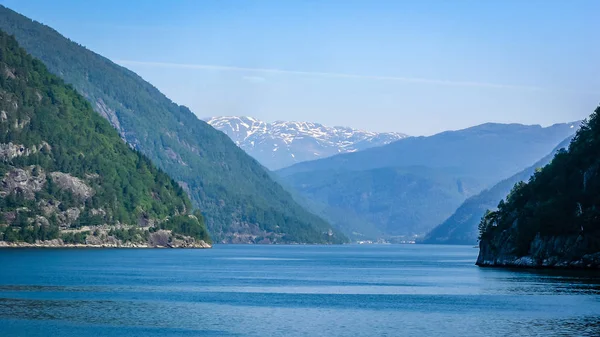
561, 199
64, 166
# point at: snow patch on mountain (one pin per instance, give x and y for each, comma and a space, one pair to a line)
280, 143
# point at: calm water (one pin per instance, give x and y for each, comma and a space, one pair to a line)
403, 290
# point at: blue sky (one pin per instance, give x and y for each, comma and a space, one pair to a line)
418, 67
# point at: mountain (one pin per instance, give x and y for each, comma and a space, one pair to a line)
239, 200
553, 220
407, 187
281, 144
384, 202
67, 176
461, 227
459, 150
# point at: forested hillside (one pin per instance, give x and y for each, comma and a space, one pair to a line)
241, 203
392, 203
67, 175
554, 218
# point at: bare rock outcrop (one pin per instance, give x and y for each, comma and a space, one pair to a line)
110, 115
10, 151
48, 207
72, 184
41, 221
106, 240
160, 238
174, 156
21, 123
9, 73
97, 212
72, 214
68, 217
144, 221
23, 181
165, 238
544, 252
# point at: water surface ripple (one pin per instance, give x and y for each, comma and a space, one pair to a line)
352, 290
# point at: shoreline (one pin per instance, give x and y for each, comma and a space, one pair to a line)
17, 245
540, 267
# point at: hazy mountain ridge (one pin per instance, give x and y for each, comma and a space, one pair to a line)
453, 149
386, 203
424, 179
461, 227
283, 143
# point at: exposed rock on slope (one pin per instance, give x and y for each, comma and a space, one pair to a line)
76, 186
545, 252
67, 179
23, 181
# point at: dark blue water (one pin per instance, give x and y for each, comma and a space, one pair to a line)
387, 290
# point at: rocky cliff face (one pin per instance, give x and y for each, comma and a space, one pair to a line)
544, 252
30, 180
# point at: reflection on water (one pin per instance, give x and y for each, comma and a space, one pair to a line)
538, 281
288, 291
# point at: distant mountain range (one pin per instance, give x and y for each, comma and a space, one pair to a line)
409, 186
280, 144
461, 227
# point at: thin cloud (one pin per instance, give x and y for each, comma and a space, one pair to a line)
254, 79
329, 75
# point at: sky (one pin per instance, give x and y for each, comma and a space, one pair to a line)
418, 67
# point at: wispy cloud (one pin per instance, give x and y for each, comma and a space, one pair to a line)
327, 74
254, 79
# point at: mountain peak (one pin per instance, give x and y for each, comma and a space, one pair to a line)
282, 143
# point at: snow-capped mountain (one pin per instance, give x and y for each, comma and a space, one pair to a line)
281, 144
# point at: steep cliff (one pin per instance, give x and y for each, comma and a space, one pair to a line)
572, 251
